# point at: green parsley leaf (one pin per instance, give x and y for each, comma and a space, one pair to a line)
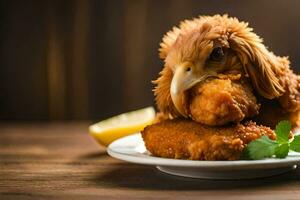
282, 150
261, 148
282, 131
264, 147
295, 144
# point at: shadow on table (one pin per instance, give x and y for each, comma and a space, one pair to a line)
149, 178
94, 155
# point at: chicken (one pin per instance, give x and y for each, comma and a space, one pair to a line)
205, 48
217, 77
186, 139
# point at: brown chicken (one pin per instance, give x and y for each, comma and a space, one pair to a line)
217, 74
186, 139
208, 46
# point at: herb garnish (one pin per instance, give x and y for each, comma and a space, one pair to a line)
264, 147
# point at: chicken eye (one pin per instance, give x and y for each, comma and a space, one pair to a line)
217, 54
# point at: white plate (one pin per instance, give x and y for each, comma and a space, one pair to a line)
132, 149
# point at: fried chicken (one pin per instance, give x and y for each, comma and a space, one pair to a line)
186, 139
220, 101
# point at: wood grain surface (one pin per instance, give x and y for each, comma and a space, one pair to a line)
61, 161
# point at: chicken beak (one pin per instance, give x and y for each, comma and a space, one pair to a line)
184, 78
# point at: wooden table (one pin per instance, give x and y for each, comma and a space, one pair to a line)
61, 161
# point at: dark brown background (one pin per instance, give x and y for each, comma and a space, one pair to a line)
92, 59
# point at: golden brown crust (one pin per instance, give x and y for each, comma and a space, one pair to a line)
185, 139
220, 101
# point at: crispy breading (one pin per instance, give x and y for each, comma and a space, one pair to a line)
220, 101
186, 139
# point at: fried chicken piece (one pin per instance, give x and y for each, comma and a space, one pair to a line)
220, 101
186, 139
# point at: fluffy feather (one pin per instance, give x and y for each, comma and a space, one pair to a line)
194, 40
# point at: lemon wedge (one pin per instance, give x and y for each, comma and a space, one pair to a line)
122, 125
